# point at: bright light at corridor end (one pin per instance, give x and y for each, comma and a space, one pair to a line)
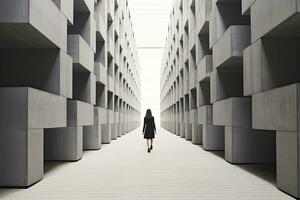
150, 20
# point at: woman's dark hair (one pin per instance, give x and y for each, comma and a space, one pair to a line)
148, 114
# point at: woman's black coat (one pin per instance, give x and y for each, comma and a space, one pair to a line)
149, 128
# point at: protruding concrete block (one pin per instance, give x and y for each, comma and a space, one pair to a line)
277, 109
63, 144
67, 8
204, 68
266, 66
101, 115
232, 112
245, 145
228, 50
92, 138
21, 155
193, 78
247, 70
112, 121
110, 84
196, 129
275, 18
31, 23
85, 26
101, 73
205, 114
106, 133
81, 52
203, 9
213, 137
28, 108
188, 131
80, 113
188, 126
224, 14
101, 20
55, 76
182, 130
196, 133
287, 147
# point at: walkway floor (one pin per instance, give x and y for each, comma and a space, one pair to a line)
175, 169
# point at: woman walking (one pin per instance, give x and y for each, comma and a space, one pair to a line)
149, 129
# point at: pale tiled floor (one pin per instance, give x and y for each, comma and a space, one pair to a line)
175, 169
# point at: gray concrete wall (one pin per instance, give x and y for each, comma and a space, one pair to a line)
247, 63
59, 84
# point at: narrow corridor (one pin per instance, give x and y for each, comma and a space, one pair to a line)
175, 169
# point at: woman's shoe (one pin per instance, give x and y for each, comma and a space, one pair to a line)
151, 147
148, 150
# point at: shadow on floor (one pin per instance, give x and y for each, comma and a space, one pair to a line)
5, 192
220, 154
49, 167
52, 166
266, 172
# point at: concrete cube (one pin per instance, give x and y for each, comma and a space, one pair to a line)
31, 23
28, 108
224, 14
266, 66
80, 114
245, 145
234, 111
213, 137
22, 159
92, 138
274, 18
81, 52
228, 50
63, 144
276, 109
204, 68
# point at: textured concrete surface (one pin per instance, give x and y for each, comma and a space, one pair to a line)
59, 59
175, 169
246, 54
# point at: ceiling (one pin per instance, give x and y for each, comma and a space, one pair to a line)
150, 20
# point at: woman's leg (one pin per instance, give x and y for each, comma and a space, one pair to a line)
147, 141
151, 144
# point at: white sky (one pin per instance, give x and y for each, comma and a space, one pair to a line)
150, 60
150, 20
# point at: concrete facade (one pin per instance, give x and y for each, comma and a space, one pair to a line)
230, 81
69, 81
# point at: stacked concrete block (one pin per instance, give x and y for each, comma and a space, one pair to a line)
230, 35
67, 143
32, 98
271, 78
60, 81
196, 129
240, 59
212, 136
